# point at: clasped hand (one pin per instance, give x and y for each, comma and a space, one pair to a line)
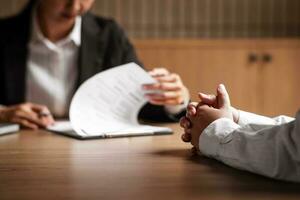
203, 113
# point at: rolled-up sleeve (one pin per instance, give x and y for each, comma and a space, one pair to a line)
266, 146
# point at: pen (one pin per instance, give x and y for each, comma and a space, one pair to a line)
44, 114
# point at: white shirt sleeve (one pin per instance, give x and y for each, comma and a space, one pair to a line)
173, 110
270, 147
251, 118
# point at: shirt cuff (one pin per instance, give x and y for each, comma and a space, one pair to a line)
216, 134
173, 110
246, 118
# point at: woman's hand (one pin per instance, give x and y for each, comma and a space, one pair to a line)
28, 115
169, 89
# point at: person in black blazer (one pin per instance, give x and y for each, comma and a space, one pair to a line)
103, 46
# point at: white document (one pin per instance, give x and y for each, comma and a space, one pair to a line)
108, 104
8, 128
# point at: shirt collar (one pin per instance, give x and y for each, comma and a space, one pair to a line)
74, 35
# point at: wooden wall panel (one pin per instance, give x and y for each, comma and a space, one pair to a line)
203, 64
196, 18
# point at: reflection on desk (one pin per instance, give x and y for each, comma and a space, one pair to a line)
42, 165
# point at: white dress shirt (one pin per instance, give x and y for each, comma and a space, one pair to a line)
266, 146
52, 69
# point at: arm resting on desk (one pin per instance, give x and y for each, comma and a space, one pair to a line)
270, 147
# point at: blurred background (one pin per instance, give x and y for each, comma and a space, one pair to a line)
196, 18
252, 46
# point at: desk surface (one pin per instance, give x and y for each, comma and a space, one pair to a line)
42, 165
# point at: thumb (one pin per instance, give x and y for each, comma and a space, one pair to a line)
223, 97
209, 99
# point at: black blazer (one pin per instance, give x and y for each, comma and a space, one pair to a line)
104, 45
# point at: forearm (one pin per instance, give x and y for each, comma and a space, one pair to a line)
243, 118
272, 151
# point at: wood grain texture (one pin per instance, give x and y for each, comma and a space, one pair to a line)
280, 78
203, 64
196, 18
42, 165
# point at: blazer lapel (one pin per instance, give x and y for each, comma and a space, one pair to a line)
92, 49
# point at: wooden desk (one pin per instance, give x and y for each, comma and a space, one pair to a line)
42, 165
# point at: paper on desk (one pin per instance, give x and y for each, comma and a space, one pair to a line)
109, 103
61, 126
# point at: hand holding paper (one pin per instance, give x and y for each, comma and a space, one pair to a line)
169, 88
108, 103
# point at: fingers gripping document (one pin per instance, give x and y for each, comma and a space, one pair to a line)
107, 105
